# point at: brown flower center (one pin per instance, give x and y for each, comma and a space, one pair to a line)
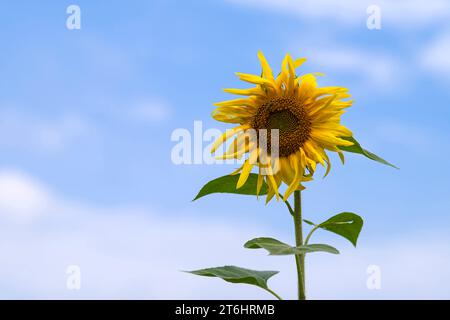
288, 116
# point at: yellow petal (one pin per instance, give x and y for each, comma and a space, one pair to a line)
236, 111
230, 118
328, 166
244, 174
266, 70
311, 151
240, 151
229, 133
236, 102
291, 80
341, 156
296, 163
246, 92
299, 62
334, 128
247, 168
270, 191
307, 85
235, 172
251, 78
329, 140
273, 190
287, 172
320, 105
260, 181
282, 78
271, 180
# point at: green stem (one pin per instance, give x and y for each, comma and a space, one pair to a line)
310, 234
291, 211
272, 292
300, 258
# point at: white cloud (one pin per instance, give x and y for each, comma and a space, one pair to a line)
21, 198
22, 130
435, 57
412, 267
337, 10
107, 60
151, 111
379, 70
136, 253
403, 14
416, 138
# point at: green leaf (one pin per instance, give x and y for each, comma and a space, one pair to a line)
235, 274
318, 247
276, 247
227, 184
345, 224
309, 222
357, 148
273, 246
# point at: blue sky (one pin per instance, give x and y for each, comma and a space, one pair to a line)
86, 120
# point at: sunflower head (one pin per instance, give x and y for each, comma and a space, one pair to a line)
293, 123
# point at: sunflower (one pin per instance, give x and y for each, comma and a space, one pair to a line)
307, 119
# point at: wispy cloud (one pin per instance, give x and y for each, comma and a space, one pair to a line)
151, 110
435, 57
401, 14
416, 138
22, 199
380, 71
23, 130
